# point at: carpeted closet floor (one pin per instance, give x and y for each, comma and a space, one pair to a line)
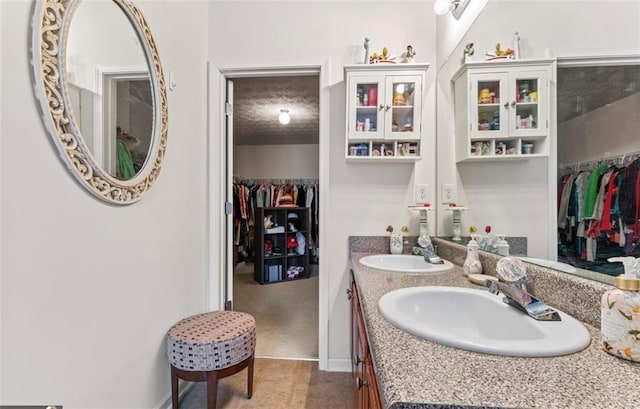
286, 313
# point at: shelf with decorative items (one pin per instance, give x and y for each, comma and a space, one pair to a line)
502, 109
384, 112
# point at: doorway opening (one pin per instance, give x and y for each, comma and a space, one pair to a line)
597, 145
273, 175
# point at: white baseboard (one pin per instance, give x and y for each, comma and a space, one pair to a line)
339, 365
184, 387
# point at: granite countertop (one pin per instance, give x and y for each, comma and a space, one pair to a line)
415, 373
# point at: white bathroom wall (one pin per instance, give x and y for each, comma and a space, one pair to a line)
2, 36
276, 161
88, 290
449, 30
364, 198
613, 129
85, 53
515, 198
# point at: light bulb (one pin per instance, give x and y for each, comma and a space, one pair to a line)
441, 7
284, 117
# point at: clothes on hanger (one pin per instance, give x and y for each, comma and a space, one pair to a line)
598, 214
249, 194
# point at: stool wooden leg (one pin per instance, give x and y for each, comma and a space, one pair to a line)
250, 378
212, 389
174, 388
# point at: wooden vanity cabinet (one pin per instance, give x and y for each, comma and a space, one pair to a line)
367, 395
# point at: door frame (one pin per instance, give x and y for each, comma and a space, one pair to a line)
104, 147
217, 238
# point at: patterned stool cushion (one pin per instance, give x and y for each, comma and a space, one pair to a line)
211, 341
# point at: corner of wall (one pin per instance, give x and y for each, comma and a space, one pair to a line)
1, 213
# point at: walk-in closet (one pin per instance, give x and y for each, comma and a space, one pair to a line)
276, 202
598, 165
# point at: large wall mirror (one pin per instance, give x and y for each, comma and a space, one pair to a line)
101, 87
597, 111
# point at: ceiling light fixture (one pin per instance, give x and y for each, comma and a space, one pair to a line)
284, 117
456, 7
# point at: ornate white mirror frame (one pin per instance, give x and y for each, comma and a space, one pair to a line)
51, 22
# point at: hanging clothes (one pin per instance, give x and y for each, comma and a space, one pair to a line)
250, 194
599, 215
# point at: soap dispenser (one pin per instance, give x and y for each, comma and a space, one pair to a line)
472, 263
620, 312
502, 246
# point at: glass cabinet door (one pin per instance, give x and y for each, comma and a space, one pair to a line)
365, 109
527, 103
403, 107
489, 104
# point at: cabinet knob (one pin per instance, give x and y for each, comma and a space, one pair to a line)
357, 360
381, 106
349, 295
388, 107
506, 105
360, 383
513, 103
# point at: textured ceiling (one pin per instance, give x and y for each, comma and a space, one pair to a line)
257, 103
584, 89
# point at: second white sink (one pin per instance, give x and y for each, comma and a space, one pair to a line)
476, 320
403, 263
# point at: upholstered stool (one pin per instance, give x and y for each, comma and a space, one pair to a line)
211, 346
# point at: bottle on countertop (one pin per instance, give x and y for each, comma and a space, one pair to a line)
472, 263
502, 246
620, 312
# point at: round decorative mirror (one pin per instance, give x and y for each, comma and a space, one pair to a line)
102, 92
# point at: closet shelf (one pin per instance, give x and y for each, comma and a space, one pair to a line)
292, 261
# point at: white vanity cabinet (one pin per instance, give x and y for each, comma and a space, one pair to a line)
502, 109
384, 111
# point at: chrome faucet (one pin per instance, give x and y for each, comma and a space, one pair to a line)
427, 250
516, 296
432, 257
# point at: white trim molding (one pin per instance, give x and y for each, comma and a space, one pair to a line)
217, 78
339, 365
595, 57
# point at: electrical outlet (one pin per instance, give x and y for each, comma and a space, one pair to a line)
448, 193
422, 194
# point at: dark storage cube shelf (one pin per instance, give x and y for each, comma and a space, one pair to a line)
275, 262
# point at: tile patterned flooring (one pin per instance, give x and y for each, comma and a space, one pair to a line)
279, 384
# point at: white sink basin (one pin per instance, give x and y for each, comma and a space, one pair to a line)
478, 321
403, 263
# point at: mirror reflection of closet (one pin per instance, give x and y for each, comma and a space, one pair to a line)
598, 122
